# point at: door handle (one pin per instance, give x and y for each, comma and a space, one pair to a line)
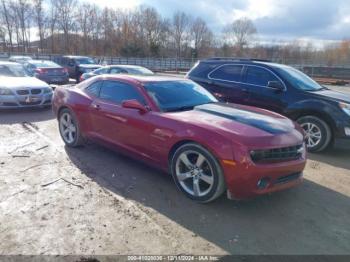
96, 107
245, 90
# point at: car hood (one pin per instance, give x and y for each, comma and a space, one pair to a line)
334, 95
21, 82
247, 125
89, 66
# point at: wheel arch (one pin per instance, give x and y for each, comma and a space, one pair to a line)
322, 115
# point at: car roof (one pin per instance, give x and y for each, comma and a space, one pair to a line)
126, 66
75, 57
142, 79
20, 56
8, 63
245, 61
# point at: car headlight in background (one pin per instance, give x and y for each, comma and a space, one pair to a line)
5, 92
47, 90
345, 107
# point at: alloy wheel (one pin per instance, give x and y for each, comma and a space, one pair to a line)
194, 173
313, 134
68, 128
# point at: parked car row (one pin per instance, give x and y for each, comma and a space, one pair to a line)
221, 129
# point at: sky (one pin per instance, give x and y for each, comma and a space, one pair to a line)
320, 21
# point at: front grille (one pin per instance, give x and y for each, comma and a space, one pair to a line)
30, 103
35, 91
277, 154
23, 92
9, 104
287, 179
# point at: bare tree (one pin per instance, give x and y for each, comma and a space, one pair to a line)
241, 32
39, 17
66, 18
180, 27
8, 20
201, 36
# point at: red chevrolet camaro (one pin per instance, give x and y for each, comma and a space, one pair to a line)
178, 126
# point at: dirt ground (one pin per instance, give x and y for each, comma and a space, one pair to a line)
56, 200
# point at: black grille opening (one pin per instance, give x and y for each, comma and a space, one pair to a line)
35, 91
30, 103
23, 92
289, 178
9, 104
277, 154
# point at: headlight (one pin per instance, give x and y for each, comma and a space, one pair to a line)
345, 107
5, 92
47, 90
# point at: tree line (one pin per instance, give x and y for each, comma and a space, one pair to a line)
78, 27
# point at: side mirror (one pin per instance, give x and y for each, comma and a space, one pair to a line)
134, 104
275, 85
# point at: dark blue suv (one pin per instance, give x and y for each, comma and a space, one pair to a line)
322, 113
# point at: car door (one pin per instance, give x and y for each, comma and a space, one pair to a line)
225, 84
123, 127
256, 79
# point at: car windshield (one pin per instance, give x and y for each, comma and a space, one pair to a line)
298, 79
139, 71
173, 96
46, 64
85, 61
12, 71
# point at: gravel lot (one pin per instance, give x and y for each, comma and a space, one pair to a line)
55, 200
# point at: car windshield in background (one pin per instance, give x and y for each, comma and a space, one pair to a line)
46, 64
139, 71
12, 71
299, 79
85, 61
173, 96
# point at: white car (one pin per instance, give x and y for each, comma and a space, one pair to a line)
20, 59
19, 90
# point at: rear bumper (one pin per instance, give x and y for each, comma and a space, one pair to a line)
55, 79
14, 101
246, 179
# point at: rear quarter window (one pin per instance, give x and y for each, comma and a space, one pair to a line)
227, 73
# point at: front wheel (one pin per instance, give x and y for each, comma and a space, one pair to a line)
197, 173
318, 134
69, 129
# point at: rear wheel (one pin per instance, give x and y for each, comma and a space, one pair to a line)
318, 133
69, 129
197, 173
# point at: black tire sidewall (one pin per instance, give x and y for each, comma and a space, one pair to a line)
212, 161
325, 132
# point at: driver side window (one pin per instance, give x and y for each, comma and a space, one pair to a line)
117, 92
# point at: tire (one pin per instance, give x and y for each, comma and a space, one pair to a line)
68, 121
318, 131
200, 178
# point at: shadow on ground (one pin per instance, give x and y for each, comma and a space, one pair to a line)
8, 117
309, 219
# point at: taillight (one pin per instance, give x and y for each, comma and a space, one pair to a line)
81, 79
65, 70
40, 71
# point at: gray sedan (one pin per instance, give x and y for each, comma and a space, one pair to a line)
118, 69
18, 90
